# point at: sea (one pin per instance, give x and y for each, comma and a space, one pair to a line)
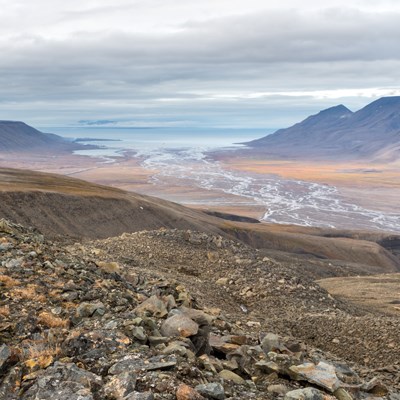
185, 155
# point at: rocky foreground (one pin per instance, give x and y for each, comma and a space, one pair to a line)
179, 315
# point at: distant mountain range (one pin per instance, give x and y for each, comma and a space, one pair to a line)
372, 133
17, 136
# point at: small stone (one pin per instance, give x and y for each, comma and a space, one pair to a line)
185, 392
218, 343
85, 310
5, 357
175, 348
121, 385
375, 387
212, 391
271, 342
342, 394
231, 376
139, 396
278, 389
305, 394
179, 325
109, 267
130, 363
139, 333
222, 281
152, 306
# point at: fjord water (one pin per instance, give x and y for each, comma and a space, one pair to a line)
183, 155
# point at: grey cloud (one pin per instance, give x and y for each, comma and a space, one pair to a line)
175, 75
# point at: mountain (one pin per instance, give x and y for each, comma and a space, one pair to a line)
16, 136
372, 132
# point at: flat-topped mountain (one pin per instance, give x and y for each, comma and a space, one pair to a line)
17, 136
372, 132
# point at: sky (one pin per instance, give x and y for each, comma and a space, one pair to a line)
191, 63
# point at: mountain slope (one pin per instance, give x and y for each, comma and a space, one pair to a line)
60, 206
373, 131
17, 136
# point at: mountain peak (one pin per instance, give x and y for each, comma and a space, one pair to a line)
338, 132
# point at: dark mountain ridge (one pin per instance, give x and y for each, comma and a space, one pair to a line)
16, 136
372, 132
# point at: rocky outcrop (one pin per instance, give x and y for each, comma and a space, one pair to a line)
70, 329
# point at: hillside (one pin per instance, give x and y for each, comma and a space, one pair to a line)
372, 132
179, 315
60, 206
19, 137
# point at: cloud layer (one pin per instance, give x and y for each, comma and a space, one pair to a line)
180, 62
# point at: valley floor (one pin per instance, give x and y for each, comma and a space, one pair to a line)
373, 187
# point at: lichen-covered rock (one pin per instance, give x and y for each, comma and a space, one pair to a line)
64, 382
120, 385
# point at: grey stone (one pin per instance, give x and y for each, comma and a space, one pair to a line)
90, 309
139, 333
271, 342
175, 348
5, 356
278, 389
152, 306
179, 325
140, 396
212, 390
67, 381
130, 363
305, 394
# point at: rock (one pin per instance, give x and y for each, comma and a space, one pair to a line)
219, 343
120, 385
185, 392
175, 348
222, 281
85, 310
179, 325
132, 363
10, 385
212, 391
231, 376
305, 394
342, 394
198, 316
140, 396
271, 342
139, 333
278, 389
67, 381
375, 387
109, 267
201, 341
322, 375
153, 306
6, 358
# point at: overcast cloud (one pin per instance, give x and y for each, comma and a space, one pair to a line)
191, 63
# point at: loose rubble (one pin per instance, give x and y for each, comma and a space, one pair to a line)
80, 323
